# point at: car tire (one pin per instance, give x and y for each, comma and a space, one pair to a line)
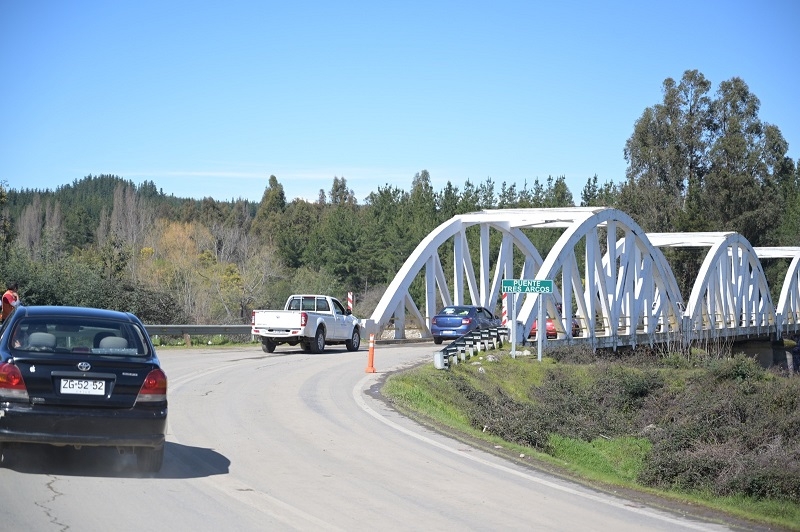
150, 460
355, 340
437, 340
318, 342
268, 346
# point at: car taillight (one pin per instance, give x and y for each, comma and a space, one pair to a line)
12, 385
154, 387
466, 321
303, 319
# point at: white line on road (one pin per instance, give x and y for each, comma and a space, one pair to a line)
358, 395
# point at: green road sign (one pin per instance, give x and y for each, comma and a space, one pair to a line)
527, 286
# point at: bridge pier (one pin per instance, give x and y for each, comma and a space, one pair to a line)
769, 353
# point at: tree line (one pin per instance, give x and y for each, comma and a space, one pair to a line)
696, 161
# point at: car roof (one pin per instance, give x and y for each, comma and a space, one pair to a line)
86, 312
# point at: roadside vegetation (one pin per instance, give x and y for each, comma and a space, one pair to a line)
723, 433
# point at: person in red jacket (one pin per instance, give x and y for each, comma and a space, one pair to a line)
10, 300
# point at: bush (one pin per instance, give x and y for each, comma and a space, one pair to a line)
731, 431
730, 428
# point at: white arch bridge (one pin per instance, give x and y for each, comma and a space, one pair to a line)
609, 276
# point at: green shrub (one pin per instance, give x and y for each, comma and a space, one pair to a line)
738, 368
726, 428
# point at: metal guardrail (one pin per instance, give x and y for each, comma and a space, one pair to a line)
467, 346
180, 330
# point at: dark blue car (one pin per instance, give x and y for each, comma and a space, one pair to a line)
457, 320
74, 376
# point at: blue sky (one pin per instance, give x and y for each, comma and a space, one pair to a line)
208, 99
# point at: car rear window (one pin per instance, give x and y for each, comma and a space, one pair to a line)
75, 335
456, 311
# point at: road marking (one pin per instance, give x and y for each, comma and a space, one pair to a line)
359, 393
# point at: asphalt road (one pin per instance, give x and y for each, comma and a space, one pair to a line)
295, 441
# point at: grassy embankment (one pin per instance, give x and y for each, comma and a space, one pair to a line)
722, 434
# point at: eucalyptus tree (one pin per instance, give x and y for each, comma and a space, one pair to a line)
742, 190
667, 154
789, 230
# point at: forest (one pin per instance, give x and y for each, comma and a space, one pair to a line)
699, 160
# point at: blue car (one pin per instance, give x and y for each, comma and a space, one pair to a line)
82, 377
457, 320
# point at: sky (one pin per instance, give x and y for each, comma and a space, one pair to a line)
208, 99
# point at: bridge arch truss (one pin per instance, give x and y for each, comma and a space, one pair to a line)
609, 277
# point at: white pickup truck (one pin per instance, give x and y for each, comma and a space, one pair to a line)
313, 321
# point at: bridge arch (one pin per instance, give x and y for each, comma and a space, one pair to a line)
483, 289
629, 291
730, 297
787, 312
609, 276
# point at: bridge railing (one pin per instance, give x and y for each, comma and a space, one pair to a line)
469, 345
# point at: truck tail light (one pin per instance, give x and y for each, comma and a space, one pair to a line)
303, 319
154, 387
253, 319
12, 385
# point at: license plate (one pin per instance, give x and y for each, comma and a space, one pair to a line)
450, 333
83, 387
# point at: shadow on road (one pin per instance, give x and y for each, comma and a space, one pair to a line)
180, 462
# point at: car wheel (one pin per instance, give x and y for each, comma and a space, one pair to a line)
318, 343
268, 346
355, 341
150, 460
437, 340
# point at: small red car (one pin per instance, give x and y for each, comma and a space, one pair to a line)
550, 329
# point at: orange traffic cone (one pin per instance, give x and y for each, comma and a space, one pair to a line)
371, 357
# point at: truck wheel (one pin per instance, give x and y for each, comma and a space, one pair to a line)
318, 343
268, 346
355, 341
